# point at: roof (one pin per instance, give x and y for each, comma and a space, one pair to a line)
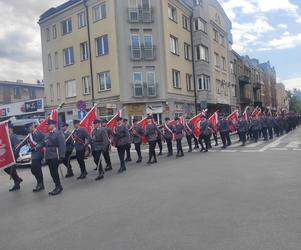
57, 9
22, 84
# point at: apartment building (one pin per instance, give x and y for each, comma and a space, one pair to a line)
133, 54
212, 41
269, 79
282, 97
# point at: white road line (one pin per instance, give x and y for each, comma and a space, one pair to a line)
293, 144
296, 149
250, 151
254, 145
235, 145
273, 144
228, 151
279, 149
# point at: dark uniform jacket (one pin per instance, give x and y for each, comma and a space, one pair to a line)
36, 150
242, 126
166, 132
69, 142
255, 124
99, 140
137, 132
108, 131
205, 127
121, 136
188, 129
14, 140
55, 145
178, 130
80, 137
264, 122
151, 132
224, 125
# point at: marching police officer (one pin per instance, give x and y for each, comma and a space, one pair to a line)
36, 141
224, 128
159, 139
189, 133
151, 134
270, 125
137, 133
14, 140
179, 130
69, 148
264, 126
206, 130
55, 153
106, 153
99, 143
128, 147
255, 128
168, 133
242, 127
81, 138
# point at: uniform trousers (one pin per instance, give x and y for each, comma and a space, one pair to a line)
270, 130
179, 147
159, 141
67, 159
97, 160
189, 139
255, 134
13, 173
106, 156
206, 139
80, 157
151, 151
242, 136
265, 133
53, 165
169, 145
128, 152
36, 170
138, 149
121, 153
225, 136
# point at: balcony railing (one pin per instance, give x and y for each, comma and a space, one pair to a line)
140, 15
243, 79
141, 90
142, 53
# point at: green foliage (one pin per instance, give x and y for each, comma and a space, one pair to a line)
294, 98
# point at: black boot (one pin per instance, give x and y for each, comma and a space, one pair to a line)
139, 160
108, 168
82, 176
16, 186
40, 187
100, 176
69, 173
56, 191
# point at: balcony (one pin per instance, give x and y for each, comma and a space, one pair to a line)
243, 79
142, 53
142, 90
257, 86
140, 15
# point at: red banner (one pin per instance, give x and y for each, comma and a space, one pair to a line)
213, 121
86, 123
113, 122
143, 124
43, 125
233, 117
195, 121
7, 158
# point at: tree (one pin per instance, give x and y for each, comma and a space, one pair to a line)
294, 98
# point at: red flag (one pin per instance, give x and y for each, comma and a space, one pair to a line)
7, 157
42, 127
195, 121
113, 122
245, 114
233, 117
88, 120
255, 112
214, 120
143, 124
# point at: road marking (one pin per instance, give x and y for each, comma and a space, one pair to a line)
293, 144
273, 144
254, 145
296, 149
228, 151
279, 149
250, 151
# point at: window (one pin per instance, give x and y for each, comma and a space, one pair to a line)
218, 86
66, 26
222, 40
145, 4
148, 52
102, 46
200, 24
84, 55
151, 83
231, 67
172, 13
17, 93
215, 35
81, 19
49, 62
54, 32
174, 45
176, 81
70, 88
86, 85
187, 51
202, 53
51, 92
198, 2
32, 93
47, 34
68, 56
58, 90
136, 49
216, 60
56, 60
223, 63
99, 12
234, 90
104, 81
217, 18
138, 84
133, 11
186, 23
189, 83
204, 82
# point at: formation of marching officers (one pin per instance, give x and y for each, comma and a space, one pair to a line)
58, 145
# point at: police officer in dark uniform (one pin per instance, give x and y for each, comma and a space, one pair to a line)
128, 148
179, 130
264, 126
255, 128
242, 127
270, 125
121, 141
55, 153
69, 149
168, 133
106, 153
151, 134
14, 140
189, 133
81, 139
36, 142
137, 133
224, 129
159, 139
206, 130
99, 143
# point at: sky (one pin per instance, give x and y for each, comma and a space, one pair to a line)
263, 29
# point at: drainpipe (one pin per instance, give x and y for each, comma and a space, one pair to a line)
90, 53
193, 66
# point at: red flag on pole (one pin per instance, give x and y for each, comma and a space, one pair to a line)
245, 114
233, 117
195, 121
112, 123
86, 123
214, 120
143, 124
42, 127
7, 157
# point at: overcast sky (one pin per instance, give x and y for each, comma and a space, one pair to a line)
265, 29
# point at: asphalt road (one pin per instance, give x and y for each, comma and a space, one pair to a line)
237, 199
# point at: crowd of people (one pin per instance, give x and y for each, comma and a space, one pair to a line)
57, 146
